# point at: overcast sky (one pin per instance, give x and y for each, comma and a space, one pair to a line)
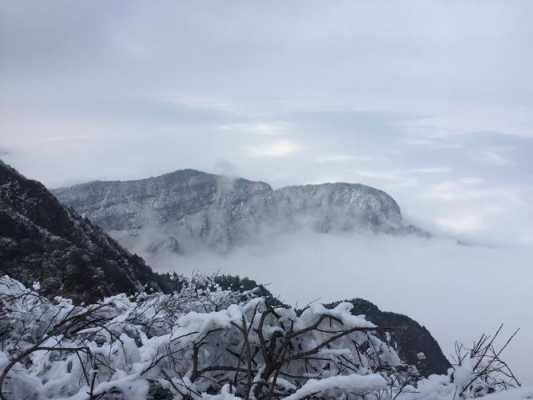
431, 101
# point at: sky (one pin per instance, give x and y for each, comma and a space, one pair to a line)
431, 101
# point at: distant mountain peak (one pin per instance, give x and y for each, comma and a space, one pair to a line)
189, 209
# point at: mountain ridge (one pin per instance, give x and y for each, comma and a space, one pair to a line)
61, 253
42, 241
189, 209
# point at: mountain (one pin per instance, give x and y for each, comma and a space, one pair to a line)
414, 342
188, 209
43, 241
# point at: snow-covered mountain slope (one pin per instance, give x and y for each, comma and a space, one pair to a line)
187, 209
41, 240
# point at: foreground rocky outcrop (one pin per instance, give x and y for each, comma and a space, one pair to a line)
414, 342
186, 210
42, 241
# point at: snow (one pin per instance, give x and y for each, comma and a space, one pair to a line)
224, 394
524, 393
359, 384
341, 312
167, 340
190, 210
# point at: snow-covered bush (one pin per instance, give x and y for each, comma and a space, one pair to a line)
480, 370
201, 342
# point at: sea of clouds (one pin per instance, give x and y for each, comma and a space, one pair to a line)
458, 292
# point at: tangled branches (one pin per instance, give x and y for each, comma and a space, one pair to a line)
205, 342
481, 370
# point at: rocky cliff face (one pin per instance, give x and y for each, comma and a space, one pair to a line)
188, 209
41, 240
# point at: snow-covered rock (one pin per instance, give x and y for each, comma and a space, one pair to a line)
187, 209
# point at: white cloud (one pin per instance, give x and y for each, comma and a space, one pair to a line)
494, 157
457, 292
430, 170
280, 148
343, 158
263, 128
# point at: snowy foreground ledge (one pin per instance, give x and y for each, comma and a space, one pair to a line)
208, 343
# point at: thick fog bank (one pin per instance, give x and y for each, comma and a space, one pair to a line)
457, 292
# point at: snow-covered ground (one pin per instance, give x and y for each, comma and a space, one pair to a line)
457, 292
